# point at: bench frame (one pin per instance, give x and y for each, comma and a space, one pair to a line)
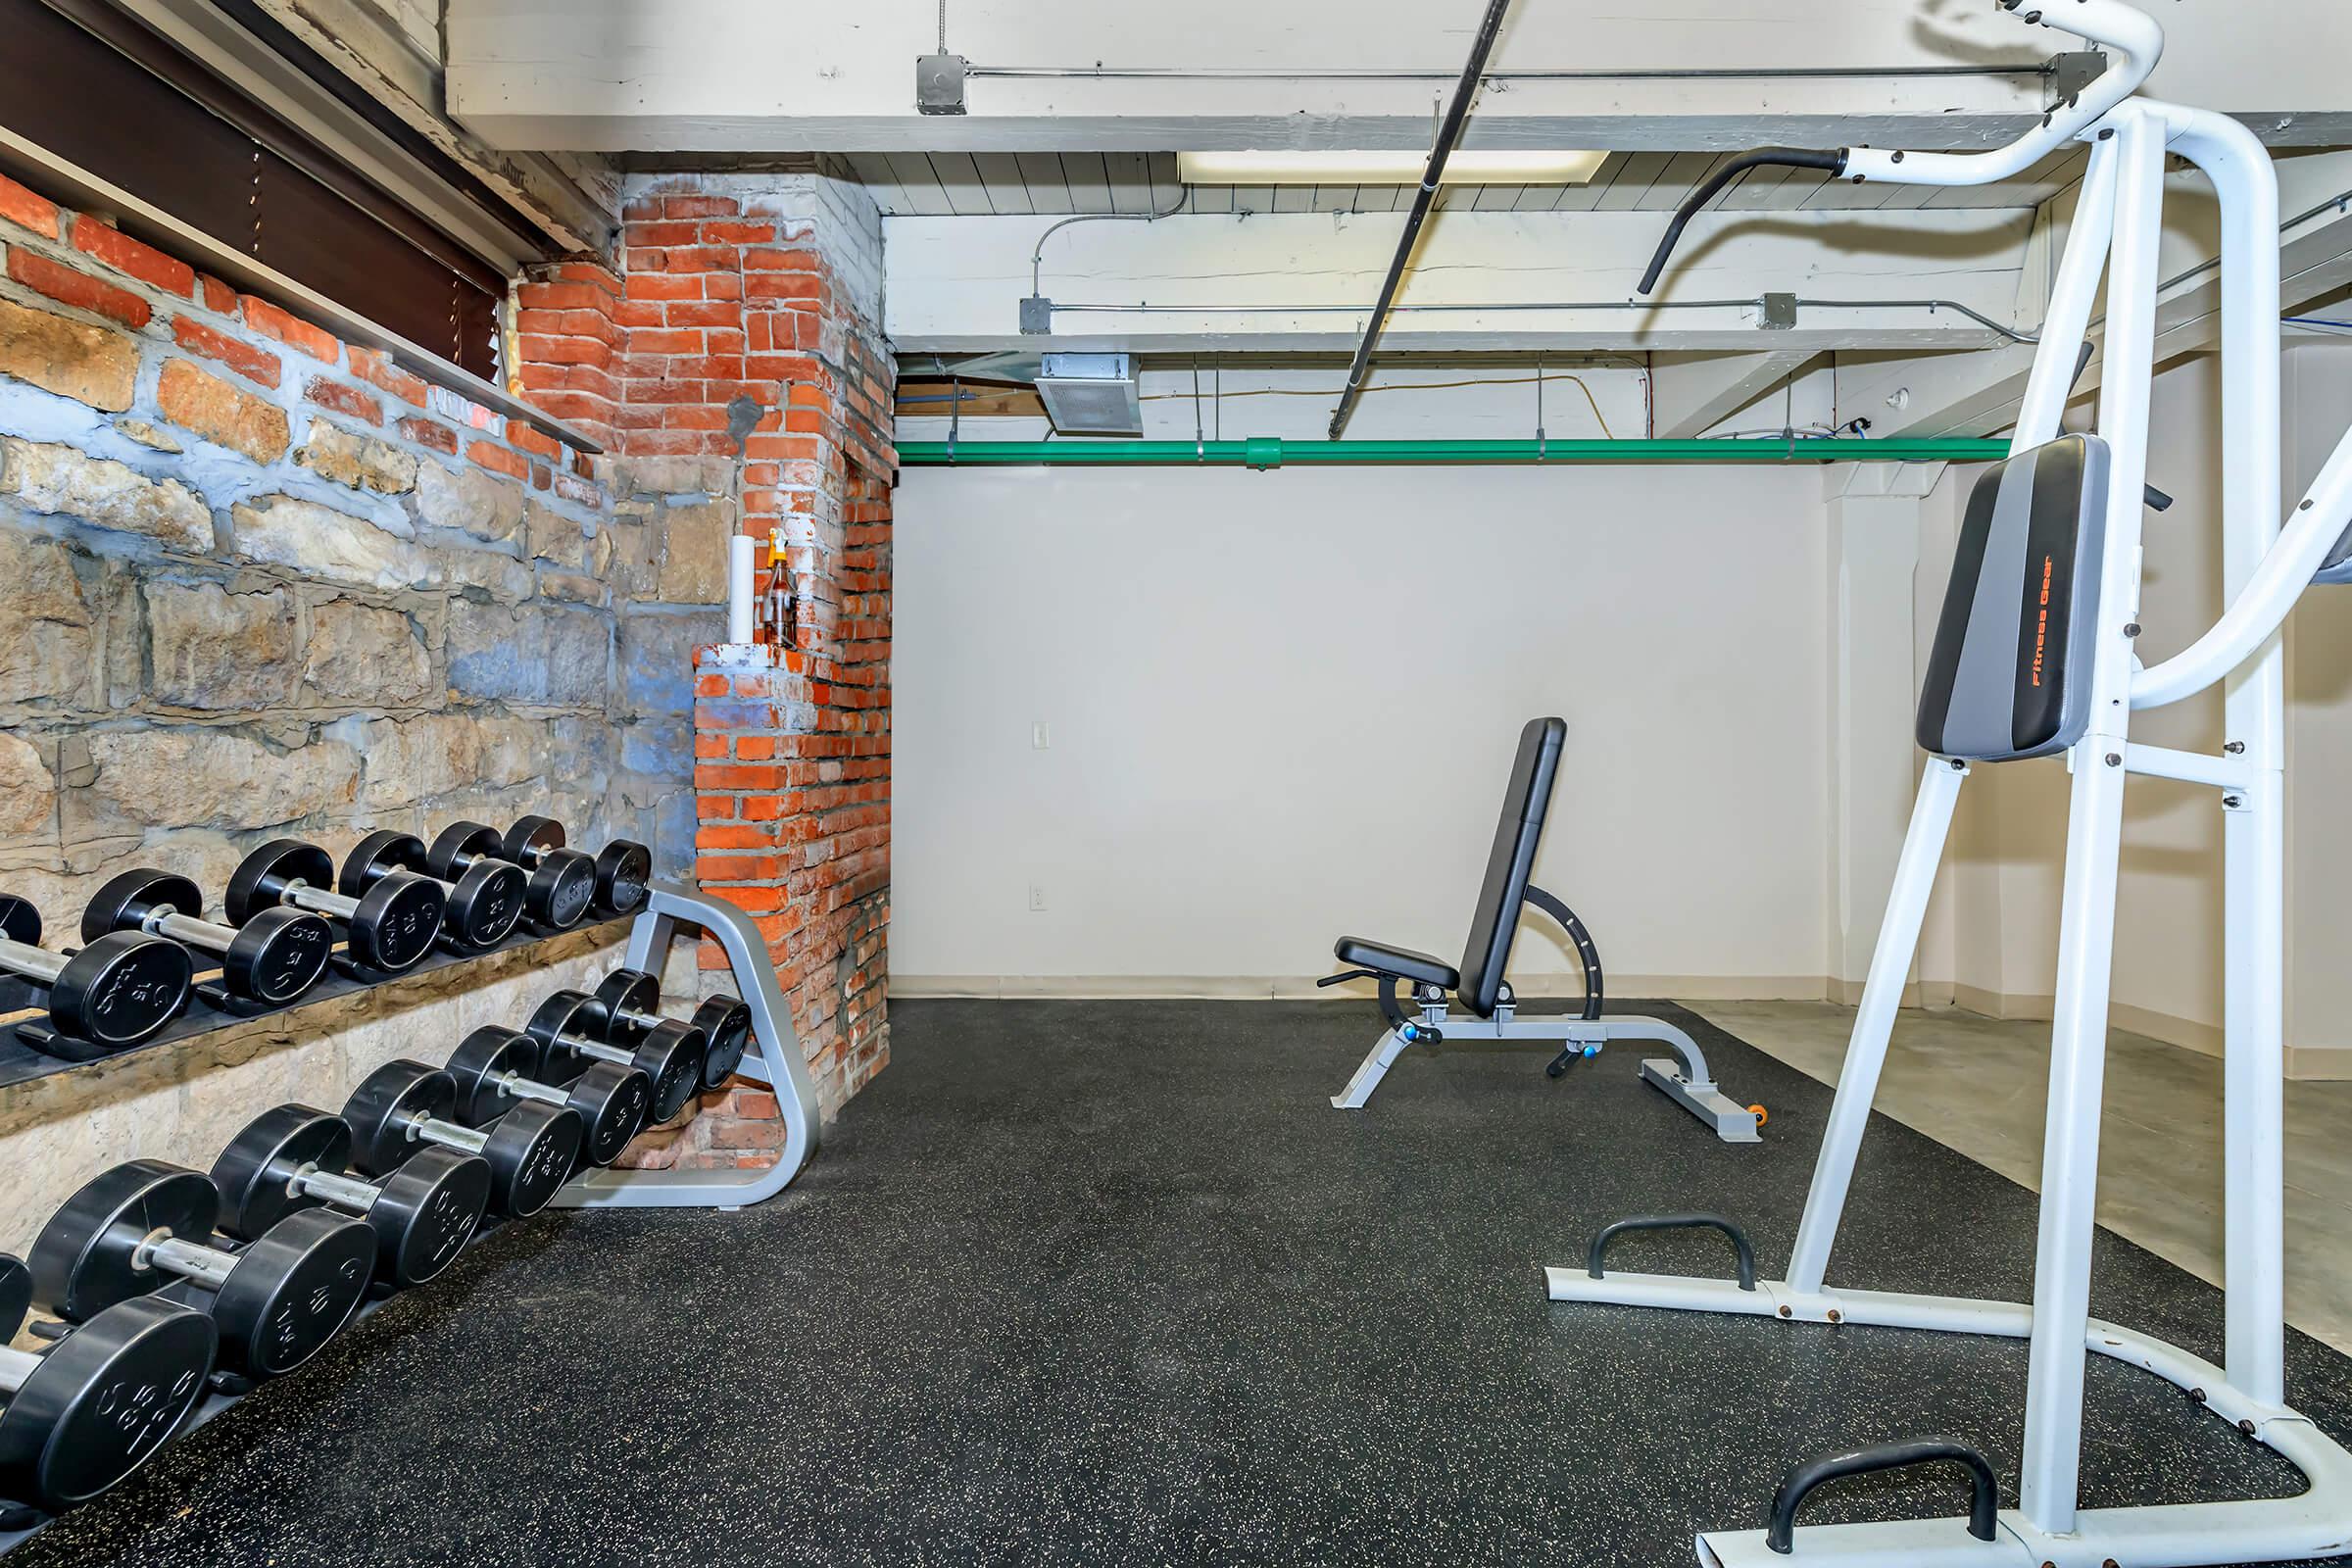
1688, 1082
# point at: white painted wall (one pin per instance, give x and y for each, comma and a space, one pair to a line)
1998, 902
1282, 705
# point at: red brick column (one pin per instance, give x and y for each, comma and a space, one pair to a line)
728, 335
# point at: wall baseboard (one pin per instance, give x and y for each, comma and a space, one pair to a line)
2304, 1063
1295, 988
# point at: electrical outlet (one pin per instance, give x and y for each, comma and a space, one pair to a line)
1041, 738
1037, 897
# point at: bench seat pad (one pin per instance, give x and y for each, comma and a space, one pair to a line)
1362, 953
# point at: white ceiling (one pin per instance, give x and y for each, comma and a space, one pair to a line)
941, 184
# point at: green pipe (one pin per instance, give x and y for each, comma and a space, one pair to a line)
1272, 452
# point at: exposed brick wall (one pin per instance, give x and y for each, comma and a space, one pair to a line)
735, 359
262, 583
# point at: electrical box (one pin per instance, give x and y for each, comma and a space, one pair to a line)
939, 84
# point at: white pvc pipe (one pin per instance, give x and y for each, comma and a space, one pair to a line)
2132, 33
740, 573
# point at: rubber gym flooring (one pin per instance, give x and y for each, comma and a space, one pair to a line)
1109, 1283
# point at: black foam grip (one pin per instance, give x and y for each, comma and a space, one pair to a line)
1832, 160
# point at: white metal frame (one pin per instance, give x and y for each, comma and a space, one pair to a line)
2116, 233
1686, 1082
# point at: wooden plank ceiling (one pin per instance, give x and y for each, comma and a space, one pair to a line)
945, 184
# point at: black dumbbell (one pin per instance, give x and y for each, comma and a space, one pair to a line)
388, 930
561, 885
485, 903
497, 1068
272, 958
294, 1157
120, 990
88, 1410
623, 867
626, 1007
671, 1056
531, 1150
146, 1224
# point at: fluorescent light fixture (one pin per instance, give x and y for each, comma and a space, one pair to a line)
1386, 169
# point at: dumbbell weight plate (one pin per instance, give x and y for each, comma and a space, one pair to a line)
487, 903
293, 1290
16, 1297
121, 989
82, 1262
534, 1150
529, 837
386, 1101
672, 1054
103, 1400
397, 922
20, 920
612, 1100
563, 888
468, 842
624, 870
618, 995
253, 1172
426, 1212
726, 1022
278, 955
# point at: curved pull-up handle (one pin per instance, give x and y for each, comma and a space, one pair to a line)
1762, 157
1984, 1494
1675, 1222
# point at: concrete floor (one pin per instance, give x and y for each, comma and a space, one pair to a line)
1978, 1086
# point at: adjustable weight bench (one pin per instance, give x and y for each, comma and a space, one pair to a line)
1478, 984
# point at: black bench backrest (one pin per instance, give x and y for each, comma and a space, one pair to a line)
1510, 864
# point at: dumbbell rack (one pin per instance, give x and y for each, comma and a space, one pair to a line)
777, 1063
21, 1063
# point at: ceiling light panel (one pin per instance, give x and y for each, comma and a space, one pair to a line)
1386, 169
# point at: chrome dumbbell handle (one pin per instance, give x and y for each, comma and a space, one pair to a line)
34, 963
208, 1266
423, 1129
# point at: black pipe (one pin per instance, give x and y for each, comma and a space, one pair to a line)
1449, 133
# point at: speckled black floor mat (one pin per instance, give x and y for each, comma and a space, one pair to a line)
1109, 1283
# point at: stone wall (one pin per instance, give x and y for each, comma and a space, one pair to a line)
261, 583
